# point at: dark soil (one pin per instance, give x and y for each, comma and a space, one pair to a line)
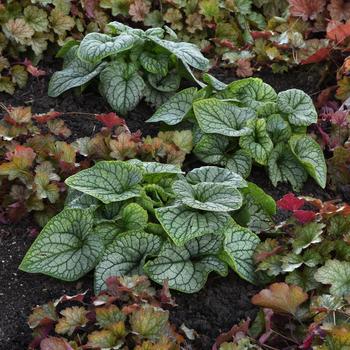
223, 301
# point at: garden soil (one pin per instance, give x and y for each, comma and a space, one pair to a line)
222, 302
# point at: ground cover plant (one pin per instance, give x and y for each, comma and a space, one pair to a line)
130, 63
38, 155
247, 122
124, 218
128, 315
310, 307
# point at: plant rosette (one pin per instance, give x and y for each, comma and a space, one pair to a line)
133, 217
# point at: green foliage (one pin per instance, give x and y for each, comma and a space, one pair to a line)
129, 62
128, 314
136, 217
38, 157
247, 121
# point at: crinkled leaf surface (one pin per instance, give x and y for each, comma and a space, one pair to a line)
258, 143
182, 223
239, 246
66, 248
122, 86
298, 106
241, 163
208, 196
310, 155
176, 108
220, 117
97, 46
109, 181
217, 175
126, 256
77, 73
284, 167
337, 274
278, 129
156, 64
212, 149
186, 268
133, 217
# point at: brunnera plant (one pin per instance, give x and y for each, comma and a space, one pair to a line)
38, 156
130, 64
125, 218
246, 122
128, 314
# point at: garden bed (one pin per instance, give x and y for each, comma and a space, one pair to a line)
222, 302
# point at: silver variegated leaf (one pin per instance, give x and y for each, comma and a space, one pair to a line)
284, 167
278, 129
219, 117
310, 155
66, 248
183, 224
108, 181
126, 256
168, 83
156, 64
122, 86
241, 163
186, 268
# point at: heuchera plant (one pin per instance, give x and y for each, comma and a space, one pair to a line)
38, 156
128, 315
247, 122
125, 218
130, 63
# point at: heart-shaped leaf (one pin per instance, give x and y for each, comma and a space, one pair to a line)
278, 129
298, 106
126, 256
109, 181
176, 108
239, 247
51, 254
284, 167
310, 155
258, 144
122, 86
183, 224
307, 235
186, 268
240, 163
97, 46
219, 117
80, 200
168, 83
217, 175
156, 64
212, 149
208, 196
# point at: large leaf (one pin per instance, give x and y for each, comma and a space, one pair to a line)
278, 129
220, 117
66, 248
122, 86
109, 181
176, 108
77, 73
80, 200
256, 93
258, 144
186, 268
156, 64
337, 274
97, 46
310, 155
298, 106
186, 52
183, 224
215, 174
208, 196
126, 256
240, 163
168, 83
212, 149
284, 167
239, 247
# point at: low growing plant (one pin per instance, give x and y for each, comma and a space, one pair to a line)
130, 63
37, 156
247, 122
127, 315
125, 218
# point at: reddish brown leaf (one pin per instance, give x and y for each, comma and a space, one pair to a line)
306, 9
281, 298
290, 202
32, 70
318, 56
338, 31
110, 120
90, 7
304, 216
339, 10
244, 68
54, 343
45, 117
